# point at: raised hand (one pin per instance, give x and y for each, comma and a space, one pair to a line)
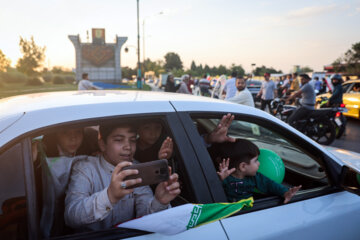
168, 190
117, 188
289, 194
224, 170
219, 134
166, 149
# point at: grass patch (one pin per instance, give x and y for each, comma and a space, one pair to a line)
13, 89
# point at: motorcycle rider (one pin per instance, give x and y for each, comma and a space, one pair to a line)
307, 100
337, 96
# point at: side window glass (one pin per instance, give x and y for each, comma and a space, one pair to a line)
293, 165
355, 88
13, 212
58, 150
346, 87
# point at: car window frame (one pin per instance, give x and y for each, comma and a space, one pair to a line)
184, 148
332, 170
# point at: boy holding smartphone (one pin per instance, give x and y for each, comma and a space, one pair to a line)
98, 196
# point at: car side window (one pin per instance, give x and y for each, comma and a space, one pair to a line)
13, 212
48, 160
355, 88
346, 87
301, 167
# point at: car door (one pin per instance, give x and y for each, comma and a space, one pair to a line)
194, 190
320, 210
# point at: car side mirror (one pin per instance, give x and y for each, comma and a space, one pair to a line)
350, 180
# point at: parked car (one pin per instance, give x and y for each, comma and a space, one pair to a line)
351, 98
254, 87
325, 207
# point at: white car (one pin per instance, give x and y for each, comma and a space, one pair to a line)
324, 208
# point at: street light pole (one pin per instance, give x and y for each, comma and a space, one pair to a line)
139, 85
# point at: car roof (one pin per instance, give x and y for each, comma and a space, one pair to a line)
25, 113
352, 81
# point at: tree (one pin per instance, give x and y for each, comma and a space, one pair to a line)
4, 62
260, 71
173, 61
239, 69
350, 62
193, 66
33, 57
157, 66
305, 69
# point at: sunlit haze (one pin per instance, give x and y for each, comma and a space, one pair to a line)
277, 33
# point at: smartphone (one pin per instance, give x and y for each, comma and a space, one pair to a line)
151, 173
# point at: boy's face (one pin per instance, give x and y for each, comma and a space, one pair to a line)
70, 140
149, 133
251, 168
120, 145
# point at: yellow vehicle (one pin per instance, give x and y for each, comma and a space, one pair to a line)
351, 98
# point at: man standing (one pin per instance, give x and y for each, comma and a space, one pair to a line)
183, 85
267, 92
85, 84
307, 101
243, 95
204, 86
230, 88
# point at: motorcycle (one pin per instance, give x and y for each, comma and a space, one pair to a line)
339, 119
318, 124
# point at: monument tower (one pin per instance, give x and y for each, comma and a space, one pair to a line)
99, 59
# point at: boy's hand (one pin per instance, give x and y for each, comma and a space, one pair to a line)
224, 171
219, 134
167, 191
289, 194
166, 149
116, 189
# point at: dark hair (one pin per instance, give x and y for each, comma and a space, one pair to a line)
234, 74
88, 146
84, 75
316, 78
305, 76
240, 77
295, 74
106, 129
241, 150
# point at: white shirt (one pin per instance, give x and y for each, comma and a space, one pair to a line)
243, 97
230, 88
87, 205
183, 88
86, 85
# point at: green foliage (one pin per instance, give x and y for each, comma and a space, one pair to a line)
13, 77
34, 81
350, 62
260, 71
58, 80
172, 61
305, 69
69, 79
128, 72
48, 76
33, 57
4, 62
156, 66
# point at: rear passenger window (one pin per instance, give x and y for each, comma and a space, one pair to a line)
13, 212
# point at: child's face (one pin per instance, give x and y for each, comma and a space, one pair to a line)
149, 133
251, 168
70, 140
120, 145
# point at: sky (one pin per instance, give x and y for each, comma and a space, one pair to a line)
274, 33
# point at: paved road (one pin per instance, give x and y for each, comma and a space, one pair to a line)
351, 139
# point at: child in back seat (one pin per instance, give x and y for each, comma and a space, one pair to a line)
58, 152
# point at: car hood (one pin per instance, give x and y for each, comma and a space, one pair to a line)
348, 158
